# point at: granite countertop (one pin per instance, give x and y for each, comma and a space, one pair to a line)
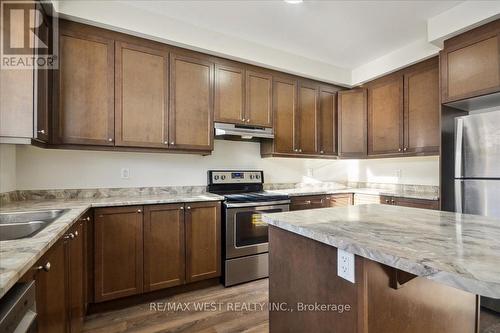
18, 256
301, 191
458, 250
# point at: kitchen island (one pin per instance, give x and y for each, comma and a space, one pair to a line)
416, 270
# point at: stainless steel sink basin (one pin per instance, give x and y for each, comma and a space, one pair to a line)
26, 224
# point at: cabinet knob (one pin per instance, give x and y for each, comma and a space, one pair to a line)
69, 236
307, 202
139, 211
300, 150
166, 142
45, 267
181, 208
188, 207
172, 142
393, 202
248, 120
110, 139
41, 131
387, 201
405, 149
88, 218
76, 233
399, 149
321, 152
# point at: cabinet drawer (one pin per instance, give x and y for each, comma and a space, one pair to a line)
339, 200
308, 202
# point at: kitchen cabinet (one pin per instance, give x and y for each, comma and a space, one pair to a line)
118, 257
203, 240
164, 246
352, 109
229, 94
141, 96
361, 199
51, 290
339, 200
258, 95
470, 63
328, 120
421, 108
385, 115
77, 272
307, 125
320, 201
191, 103
85, 88
285, 115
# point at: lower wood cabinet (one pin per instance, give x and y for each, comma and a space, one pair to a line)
77, 272
203, 242
164, 253
145, 248
360, 199
339, 200
118, 250
320, 201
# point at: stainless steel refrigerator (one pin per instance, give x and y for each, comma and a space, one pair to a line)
477, 169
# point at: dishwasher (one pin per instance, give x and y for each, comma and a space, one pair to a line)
18, 309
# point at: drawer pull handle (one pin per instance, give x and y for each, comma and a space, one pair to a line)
45, 267
70, 236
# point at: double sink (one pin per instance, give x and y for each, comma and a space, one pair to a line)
26, 224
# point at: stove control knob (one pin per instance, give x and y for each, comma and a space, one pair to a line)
257, 176
216, 177
251, 176
223, 177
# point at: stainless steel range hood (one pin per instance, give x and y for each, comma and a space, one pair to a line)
239, 132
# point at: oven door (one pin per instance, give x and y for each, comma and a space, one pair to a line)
246, 233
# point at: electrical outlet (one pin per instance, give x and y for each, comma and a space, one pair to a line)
125, 173
345, 265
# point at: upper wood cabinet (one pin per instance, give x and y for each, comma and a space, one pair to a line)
118, 256
307, 124
191, 103
385, 115
164, 253
141, 96
328, 121
352, 123
259, 111
285, 115
203, 242
85, 89
421, 108
229, 94
470, 63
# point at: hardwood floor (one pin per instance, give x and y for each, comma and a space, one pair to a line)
223, 314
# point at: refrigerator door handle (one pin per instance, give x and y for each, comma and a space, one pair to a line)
459, 131
458, 196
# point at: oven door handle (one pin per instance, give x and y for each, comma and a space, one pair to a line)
256, 204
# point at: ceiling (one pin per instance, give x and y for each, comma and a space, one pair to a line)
346, 34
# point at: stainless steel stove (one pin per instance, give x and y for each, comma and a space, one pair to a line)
245, 236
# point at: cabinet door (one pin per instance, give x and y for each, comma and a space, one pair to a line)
118, 252
51, 290
86, 89
417, 203
285, 115
308, 118
352, 123
385, 116
164, 259
472, 68
327, 121
203, 244
422, 130
191, 103
308, 202
339, 200
76, 277
259, 111
363, 199
141, 118
229, 94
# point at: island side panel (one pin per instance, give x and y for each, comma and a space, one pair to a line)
304, 270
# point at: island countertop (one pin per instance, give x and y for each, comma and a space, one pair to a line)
458, 250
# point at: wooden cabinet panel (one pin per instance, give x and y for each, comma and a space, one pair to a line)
85, 85
339, 200
328, 121
385, 116
191, 103
474, 68
422, 131
164, 257
76, 276
259, 99
141, 90
229, 94
352, 123
362, 199
417, 203
203, 243
118, 252
308, 118
285, 115
307, 202
51, 286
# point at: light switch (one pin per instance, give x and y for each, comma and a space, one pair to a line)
345, 265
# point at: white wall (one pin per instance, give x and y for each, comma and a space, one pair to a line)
7, 168
52, 169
